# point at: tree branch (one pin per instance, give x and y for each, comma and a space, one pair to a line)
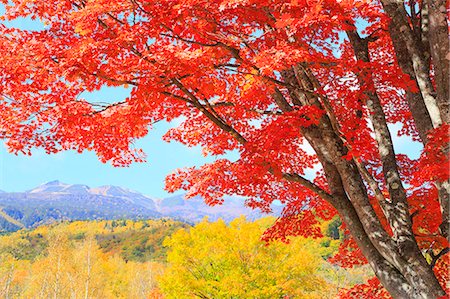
215, 119
293, 177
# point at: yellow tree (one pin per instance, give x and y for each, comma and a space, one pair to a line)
88, 261
8, 273
69, 269
216, 260
142, 279
48, 274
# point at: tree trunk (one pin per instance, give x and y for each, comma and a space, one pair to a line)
412, 278
399, 217
439, 48
435, 38
400, 27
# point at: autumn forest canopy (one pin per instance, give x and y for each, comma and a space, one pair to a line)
291, 86
169, 259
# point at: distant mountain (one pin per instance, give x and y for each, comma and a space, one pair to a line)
195, 209
56, 201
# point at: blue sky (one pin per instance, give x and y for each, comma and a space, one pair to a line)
19, 173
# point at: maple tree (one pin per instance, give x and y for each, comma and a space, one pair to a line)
265, 79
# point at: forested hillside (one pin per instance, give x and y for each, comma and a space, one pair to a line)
169, 259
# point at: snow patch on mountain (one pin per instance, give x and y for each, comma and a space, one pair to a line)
49, 187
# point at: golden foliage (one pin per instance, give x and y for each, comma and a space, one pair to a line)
216, 260
109, 259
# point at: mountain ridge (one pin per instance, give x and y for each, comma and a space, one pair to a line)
57, 201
